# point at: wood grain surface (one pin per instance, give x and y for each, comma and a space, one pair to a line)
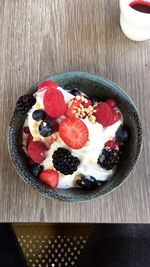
44, 37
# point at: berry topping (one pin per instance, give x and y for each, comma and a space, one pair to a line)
108, 158
73, 132
47, 85
116, 116
50, 177
112, 144
46, 128
25, 103
75, 92
39, 114
26, 130
29, 139
121, 134
104, 114
64, 162
36, 169
111, 102
79, 107
54, 103
87, 182
36, 151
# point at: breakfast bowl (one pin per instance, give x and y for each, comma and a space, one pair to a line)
93, 89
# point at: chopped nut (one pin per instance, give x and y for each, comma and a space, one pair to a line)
92, 119
35, 132
35, 125
37, 105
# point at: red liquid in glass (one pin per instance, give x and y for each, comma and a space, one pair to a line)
141, 6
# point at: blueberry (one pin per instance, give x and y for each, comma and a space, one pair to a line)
36, 169
87, 182
75, 92
46, 128
94, 100
39, 114
121, 134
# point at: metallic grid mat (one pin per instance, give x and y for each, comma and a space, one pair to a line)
43, 249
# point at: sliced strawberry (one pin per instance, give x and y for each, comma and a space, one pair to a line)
111, 102
75, 108
116, 116
36, 151
104, 114
54, 103
47, 85
50, 177
112, 144
74, 132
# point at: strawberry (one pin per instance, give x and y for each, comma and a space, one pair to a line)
47, 85
104, 114
50, 177
76, 108
36, 151
112, 144
73, 132
116, 116
111, 102
54, 103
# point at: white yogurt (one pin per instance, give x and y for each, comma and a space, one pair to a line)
87, 155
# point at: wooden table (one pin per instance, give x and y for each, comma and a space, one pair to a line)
43, 37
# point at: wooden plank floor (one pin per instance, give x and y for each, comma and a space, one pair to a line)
43, 37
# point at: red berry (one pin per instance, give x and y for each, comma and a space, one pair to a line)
111, 102
26, 130
50, 177
112, 144
29, 139
104, 114
74, 109
74, 132
54, 103
116, 116
36, 151
47, 85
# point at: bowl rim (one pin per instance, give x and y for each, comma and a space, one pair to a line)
107, 83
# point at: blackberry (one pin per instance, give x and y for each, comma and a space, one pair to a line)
36, 169
64, 162
39, 114
24, 103
108, 158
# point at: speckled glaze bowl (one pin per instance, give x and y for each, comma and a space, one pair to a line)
102, 89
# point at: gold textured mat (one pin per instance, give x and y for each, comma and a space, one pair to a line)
52, 245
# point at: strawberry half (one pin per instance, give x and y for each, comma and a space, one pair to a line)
74, 132
36, 151
104, 114
47, 85
50, 177
54, 103
75, 108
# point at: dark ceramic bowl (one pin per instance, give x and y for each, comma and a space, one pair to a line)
102, 89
